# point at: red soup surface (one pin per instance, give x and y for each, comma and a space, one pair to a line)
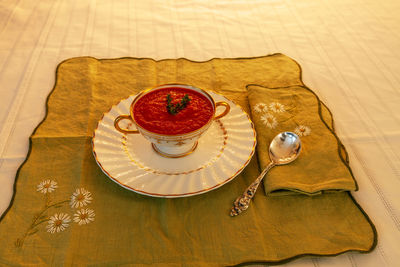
150, 111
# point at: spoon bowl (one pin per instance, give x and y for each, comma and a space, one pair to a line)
284, 149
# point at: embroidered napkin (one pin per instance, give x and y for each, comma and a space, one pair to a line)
322, 164
66, 211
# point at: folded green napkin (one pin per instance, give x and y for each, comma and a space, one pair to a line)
67, 212
322, 164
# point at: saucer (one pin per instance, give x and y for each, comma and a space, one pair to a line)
130, 161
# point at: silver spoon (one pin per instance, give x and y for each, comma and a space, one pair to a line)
284, 148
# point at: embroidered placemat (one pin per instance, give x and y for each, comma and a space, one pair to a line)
65, 211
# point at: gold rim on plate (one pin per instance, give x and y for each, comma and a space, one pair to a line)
222, 153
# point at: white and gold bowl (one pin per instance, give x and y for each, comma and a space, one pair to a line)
172, 145
223, 151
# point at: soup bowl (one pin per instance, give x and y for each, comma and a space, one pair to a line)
172, 117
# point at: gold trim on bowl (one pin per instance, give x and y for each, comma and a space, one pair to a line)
163, 86
181, 155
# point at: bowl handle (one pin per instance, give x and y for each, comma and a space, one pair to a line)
227, 108
116, 125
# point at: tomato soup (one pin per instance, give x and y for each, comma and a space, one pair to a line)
150, 111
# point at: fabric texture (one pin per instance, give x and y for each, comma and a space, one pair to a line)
65, 211
322, 165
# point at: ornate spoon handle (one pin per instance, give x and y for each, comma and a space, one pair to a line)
243, 201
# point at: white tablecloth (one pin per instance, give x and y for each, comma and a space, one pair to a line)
349, 51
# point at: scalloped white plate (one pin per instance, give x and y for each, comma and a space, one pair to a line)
129, 160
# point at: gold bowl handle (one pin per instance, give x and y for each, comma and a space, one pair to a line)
227, 108
126, 131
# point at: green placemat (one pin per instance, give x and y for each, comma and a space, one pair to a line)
65, 211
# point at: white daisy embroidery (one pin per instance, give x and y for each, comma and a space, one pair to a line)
302, 130
277, 107
80, 198
84, 216
47, 186
261, 107
269, 120
58, 223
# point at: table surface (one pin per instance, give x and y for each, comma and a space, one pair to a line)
348, 50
